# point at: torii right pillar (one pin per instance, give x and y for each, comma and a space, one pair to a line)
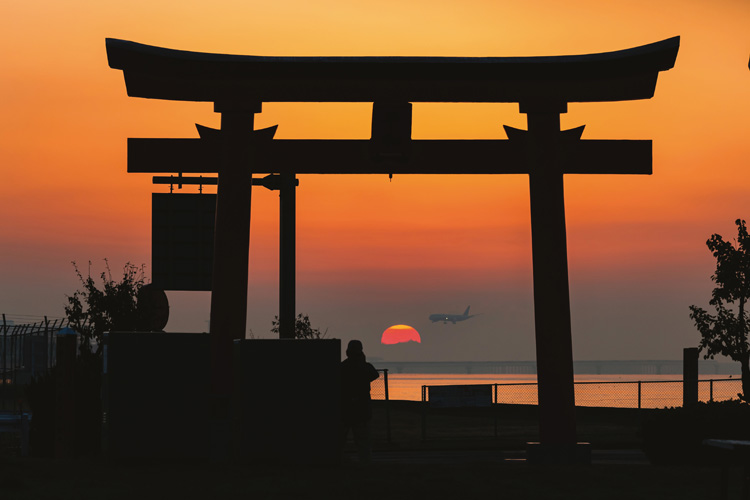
550, 153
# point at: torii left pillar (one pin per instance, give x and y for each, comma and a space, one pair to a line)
230, 266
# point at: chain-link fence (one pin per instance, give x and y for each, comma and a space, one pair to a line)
468, 418
625, 394
26, 350
719, 389
379, 387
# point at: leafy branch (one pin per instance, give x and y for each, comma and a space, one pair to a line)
302, 328
110, 306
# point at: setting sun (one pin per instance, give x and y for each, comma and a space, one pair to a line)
400, 334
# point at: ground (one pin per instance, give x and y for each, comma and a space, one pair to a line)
93, 479
458, 456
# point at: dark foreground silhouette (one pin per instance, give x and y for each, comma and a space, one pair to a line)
356, 406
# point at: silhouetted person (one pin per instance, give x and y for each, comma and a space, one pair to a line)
356, 411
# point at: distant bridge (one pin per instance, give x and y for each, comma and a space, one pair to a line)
606, 367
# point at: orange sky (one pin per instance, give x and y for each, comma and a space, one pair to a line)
374, 253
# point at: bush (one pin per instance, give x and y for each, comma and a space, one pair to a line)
675, 435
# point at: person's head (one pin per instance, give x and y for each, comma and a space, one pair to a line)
354, 349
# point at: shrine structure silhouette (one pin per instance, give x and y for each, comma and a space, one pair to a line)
542, 86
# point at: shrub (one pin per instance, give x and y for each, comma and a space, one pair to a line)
675, 435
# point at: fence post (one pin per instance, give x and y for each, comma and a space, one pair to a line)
689, 376
639, 394
497, 410
65, 394
387, 407
45, 359
424, 413
13, 359
5, 355
32, 351
711, 390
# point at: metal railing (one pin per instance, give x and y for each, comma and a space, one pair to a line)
623, 394
609, 394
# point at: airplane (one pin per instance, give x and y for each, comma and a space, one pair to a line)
445, 318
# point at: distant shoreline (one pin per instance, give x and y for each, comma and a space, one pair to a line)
603, 367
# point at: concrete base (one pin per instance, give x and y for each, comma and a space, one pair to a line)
156, 399
287, 401
154, 394
541, 453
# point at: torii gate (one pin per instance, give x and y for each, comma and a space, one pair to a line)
543, 86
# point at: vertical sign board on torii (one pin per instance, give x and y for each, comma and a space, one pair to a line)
182, 235
542, 86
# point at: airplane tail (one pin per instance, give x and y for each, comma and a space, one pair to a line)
466, 312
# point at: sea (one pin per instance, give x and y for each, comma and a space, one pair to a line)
602, 390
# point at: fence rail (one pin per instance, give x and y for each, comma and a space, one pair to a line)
619, 394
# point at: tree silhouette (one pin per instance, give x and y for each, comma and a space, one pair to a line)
302, 328
726, 332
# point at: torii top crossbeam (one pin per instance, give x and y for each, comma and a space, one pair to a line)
158, 73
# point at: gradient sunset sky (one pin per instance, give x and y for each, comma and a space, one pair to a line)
374, 253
